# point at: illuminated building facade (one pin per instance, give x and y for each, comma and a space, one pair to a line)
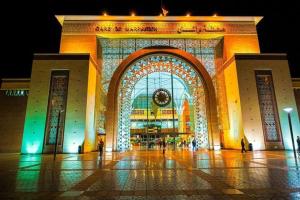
135, 80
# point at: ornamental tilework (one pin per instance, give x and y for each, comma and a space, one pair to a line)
267, 106
57, 103
161, 63
115, 50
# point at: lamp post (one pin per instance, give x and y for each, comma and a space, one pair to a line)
288, 111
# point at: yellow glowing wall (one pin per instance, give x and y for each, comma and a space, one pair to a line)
221, 91
99, 107
90, 132
233, 135
240, 44
79, 44
230, 114
222, 103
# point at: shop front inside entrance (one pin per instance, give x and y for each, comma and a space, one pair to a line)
161, 109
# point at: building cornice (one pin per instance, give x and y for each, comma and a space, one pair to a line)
255, 19
260, 56
61, 56
15, 84
65, 56
296, 83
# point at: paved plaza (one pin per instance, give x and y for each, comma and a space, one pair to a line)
180, 174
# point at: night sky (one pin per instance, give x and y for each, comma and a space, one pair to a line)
30, 26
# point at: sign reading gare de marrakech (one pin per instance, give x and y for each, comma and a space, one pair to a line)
160, 26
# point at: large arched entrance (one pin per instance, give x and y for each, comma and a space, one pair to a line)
154, 72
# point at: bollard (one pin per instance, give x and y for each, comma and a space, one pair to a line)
250, 147
79, 149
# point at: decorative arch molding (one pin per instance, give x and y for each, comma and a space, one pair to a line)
112, 95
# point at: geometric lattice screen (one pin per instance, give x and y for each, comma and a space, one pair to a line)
267, 104
56, 104
113, 51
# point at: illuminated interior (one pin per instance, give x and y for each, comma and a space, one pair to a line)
160, 118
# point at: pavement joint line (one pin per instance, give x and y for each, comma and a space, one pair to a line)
73, 156
21, 168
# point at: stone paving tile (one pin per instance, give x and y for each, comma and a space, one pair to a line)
151, 175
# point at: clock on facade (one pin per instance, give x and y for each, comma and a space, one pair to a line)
161, 97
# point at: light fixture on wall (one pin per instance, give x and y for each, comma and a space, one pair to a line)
288, 110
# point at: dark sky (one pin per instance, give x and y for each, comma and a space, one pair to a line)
30, 26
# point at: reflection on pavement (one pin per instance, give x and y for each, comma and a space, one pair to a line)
181, 174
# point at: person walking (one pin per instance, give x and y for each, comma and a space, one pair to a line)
164, 144
243, 145
194, 144
100, 147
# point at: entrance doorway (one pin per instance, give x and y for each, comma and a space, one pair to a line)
161, 96
161, 104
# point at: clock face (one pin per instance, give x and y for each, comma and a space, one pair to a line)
161, 97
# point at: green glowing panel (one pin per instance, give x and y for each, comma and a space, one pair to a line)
33, 136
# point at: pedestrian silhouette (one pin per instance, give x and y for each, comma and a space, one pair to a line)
194, 144
243, 145
164, 145
100, 147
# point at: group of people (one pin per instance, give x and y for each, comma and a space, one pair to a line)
163, 144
